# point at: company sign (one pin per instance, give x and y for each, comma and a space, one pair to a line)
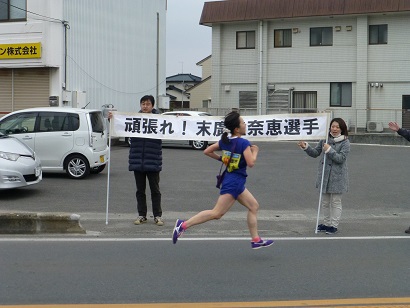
20, 51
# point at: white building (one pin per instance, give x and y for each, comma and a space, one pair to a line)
78, 53
348, 56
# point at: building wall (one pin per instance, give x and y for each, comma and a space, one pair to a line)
111, 51
206, 68
30, 82
201, 93
306, 68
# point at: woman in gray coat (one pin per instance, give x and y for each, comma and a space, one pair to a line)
335, 178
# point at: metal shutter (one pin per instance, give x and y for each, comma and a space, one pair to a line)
5, 91
31, 88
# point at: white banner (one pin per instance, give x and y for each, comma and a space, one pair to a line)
273, 127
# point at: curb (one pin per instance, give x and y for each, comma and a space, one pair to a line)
33, 223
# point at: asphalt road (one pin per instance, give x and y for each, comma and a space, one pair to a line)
283, 181
119, 262
134, 271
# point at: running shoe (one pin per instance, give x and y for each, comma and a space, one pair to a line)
158, 221
331, 230
322, 228
177, 230
261, 244
140, 220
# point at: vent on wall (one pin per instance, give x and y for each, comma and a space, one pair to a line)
374, 127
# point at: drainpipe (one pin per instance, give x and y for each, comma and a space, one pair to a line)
260, 67
66, 27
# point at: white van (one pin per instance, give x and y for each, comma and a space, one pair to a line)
70, 139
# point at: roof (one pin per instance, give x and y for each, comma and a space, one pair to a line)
249, 10
174, 88
55, 109
203, 60
188, 78
198, 84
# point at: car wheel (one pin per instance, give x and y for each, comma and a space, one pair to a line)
199, 145
97, 170
77, 167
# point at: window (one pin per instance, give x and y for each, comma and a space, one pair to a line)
321, 36
247, 99
304, 101
13, 10
245, 40
341, 94
283, 38
97, 122
59, 121
378, 34
21, 123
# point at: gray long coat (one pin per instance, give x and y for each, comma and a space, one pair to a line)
335, 179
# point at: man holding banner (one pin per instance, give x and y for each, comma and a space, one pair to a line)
145, 160
332, 172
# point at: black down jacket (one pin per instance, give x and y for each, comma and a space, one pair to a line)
145, 154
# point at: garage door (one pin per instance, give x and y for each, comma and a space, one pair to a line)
24, 88
5, 91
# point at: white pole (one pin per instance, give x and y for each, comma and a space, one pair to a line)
109, 167
323, 173
260, 68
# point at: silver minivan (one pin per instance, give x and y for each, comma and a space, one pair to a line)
65, 139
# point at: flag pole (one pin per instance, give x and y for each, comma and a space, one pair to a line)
323, 173
109, 168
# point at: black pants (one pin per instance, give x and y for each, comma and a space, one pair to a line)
141, 181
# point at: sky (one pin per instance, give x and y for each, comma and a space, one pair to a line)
187, 41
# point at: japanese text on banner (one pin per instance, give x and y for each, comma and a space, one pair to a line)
312, 126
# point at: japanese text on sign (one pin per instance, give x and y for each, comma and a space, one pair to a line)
20, 51
262, 128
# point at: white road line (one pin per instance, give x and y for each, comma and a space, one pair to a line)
328, 238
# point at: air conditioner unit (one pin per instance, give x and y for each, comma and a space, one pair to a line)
374, 127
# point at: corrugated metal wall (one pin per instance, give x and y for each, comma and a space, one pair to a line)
112, 50
22, 88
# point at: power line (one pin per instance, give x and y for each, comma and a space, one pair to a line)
109, 88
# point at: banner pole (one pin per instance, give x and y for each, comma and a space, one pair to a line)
109, 168
323, 173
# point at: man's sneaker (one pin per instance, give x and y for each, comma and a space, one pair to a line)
407, 230
331, 230
177, 230
322, 228
140, 220
158, 221
261, 244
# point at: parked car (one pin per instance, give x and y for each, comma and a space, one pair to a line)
19, 166
195, 144
65, 139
